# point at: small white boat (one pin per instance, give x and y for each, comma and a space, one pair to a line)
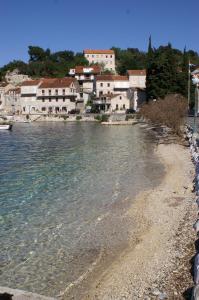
5, 126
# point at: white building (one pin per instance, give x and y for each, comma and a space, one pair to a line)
111, 84
49, 96
106, 58
86, 78
137, 88
137, 78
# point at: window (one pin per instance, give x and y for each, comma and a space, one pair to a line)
43, 109
56, 99
101, 84
93, 56
24, 109
63, 91
49, 100
120, 97
49, 92
43, 100
43, 92
123, 106
111, 56
106, 56
64, 109
101, 93
108, 84
64, 99
116, 106
0, 102
56, 92
87, 55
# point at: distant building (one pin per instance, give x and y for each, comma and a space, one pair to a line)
111, 93
112, 103
15, 77
137, 97
13, 101
137, 78
106, 58
4, 87
86, 78
49, 96
111, 84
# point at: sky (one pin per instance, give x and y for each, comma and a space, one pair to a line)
95, 24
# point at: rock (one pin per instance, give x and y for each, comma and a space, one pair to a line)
162, 296
156, 292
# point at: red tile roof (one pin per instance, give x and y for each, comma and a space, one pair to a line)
111, 78
31, 82
80, 69
89, 51
136, 72
15, 90
57, 82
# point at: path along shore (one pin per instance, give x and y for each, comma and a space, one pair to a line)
156, 263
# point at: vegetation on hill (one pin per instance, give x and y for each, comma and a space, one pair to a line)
44, 63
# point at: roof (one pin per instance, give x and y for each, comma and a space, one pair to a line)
57, 82
31, 82
15, 90
95, 69
89, 51
136, 72
111, 78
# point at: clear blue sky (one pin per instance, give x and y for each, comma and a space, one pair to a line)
79, 24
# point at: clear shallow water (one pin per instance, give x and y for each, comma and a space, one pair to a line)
57, 181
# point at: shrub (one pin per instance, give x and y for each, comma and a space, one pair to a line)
104, 118
78, 118
128, 117
98, 118
170, 111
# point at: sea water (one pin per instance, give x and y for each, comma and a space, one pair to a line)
57, 182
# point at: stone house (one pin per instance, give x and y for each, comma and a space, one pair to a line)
50, 96
86, 78
106, 58
111, 84
137, 78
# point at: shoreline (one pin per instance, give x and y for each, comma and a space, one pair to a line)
152, 253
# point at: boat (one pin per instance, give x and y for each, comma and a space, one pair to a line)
5, 126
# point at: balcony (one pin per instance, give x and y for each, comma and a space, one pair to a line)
102, 101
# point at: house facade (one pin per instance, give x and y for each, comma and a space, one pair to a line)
106, 58
4, 88
111, 84
137, 78
86, 79
49, 96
